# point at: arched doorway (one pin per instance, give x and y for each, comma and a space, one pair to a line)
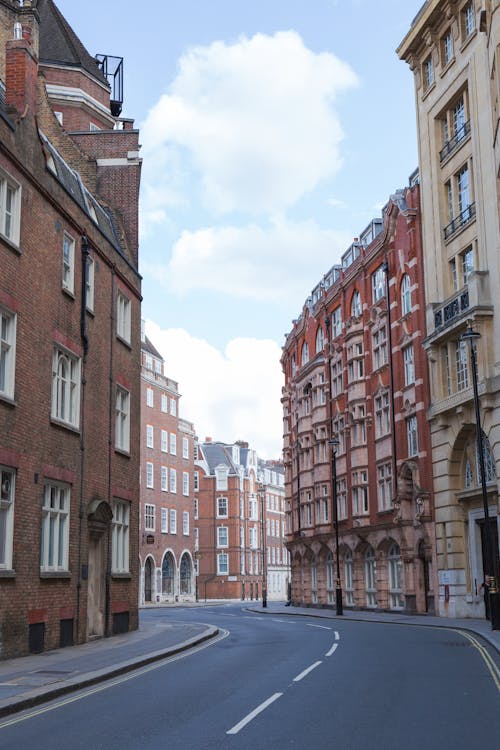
148, 580
186, 572
168, 575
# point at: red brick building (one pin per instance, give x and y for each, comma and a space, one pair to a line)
167, 487
229, 520
277, 572
70, 339
355, 371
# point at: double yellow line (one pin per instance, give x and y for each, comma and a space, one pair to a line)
493, 669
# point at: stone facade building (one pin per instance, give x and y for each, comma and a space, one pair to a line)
453, 50
70, 340
355, 371
167, 487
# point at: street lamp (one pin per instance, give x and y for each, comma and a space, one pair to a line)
471, 336
334, 444
263, 534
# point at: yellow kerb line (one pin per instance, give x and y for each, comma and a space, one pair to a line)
488, 660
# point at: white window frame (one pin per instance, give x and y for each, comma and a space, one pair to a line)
196, 481
384, 486
65, 387
336, 322
173, 444
409, 364
7, 497
68, 263
222, 509
185, 523
164, 441
122, 419
223, 564
405, 294
378, 284
149, 397
90, 284
412, 435
149, 436
173, 481
221, 482
164, 479
185, 447
356, 304
10, 208
185, 483
173, 407
54, 538
123, 315
164, 520
120, 537
173, 521
428, 69
149, 517
8, 325
164, 403
149, 475
196, 508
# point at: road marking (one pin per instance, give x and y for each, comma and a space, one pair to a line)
492, 667
306, 671
248, 718
332, 650
323, 627
337, 636
288, 622
113, 682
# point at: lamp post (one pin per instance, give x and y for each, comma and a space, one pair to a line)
334, 444
471, 336
263, 533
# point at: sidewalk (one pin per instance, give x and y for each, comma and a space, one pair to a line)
477, 627
30, 680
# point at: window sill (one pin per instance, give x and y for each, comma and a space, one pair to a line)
7, 573
123, 452
7, 400
468, 40
428, 90
68, 292
447, 66
48, 574
10, 244
126, 576
125, 343
65, 425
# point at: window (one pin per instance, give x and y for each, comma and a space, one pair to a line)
164, 520
173, 443
185, 523
378, 284
7, 479
382, 414
412, 435
122, 419
370, 578
185, 483
173, 481
379, 348
355, 362
173, 407
395, 578
68, 263
461, 365
222, 507
463, 191
173, 521
468, 22
54, 547
305, 354
66, 387
89, 284
409, 367
428, 72
356, 305
349, 578
223, 564
164, 441
164, 403
149, 397
196, 538
123, 317
149, 362
320, 340
120, 537
196, 508
222, 536
384, 486
467, 264
447, 47
342, 498
359, 493
405, 294
149, 475
164, 479
195, 451
10, 208
149, 436
337, 377
196, 481
221, 478
185, 448
336, 322
7, 353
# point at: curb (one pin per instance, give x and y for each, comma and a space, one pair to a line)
44, 695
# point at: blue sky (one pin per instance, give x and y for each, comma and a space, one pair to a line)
271, 132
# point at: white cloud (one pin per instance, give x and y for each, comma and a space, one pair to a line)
281, 262
254, 118
230, 395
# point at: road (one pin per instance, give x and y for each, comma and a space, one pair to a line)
284, 682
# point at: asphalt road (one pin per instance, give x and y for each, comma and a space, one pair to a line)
289, 682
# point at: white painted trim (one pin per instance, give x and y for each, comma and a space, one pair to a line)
72, 94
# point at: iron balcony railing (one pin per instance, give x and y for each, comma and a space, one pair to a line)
462, 132
463, 218
446, 314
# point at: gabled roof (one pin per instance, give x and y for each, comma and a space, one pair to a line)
60, 45
217, 454
148, 347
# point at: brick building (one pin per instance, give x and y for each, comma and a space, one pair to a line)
70, 339
167, 487
355, 371
229, 522
277, 572
453, 50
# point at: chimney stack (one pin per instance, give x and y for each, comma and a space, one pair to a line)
21, 72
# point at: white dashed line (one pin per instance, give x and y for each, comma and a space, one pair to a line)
288, 622
248, 718
323, 627
337, 636
306, 671
332, 650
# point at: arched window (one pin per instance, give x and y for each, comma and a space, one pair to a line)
370, 578
314, 581
329, 578
356, 304
305, 354
167, 574
185, 574
395, 578
320, 340
405, 294
472, 472
348, 578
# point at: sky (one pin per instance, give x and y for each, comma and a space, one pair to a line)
272, 132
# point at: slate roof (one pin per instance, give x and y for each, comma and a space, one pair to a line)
60, 45
216, 454
148, 347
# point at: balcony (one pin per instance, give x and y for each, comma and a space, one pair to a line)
451, 145
460, 221
446, 315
